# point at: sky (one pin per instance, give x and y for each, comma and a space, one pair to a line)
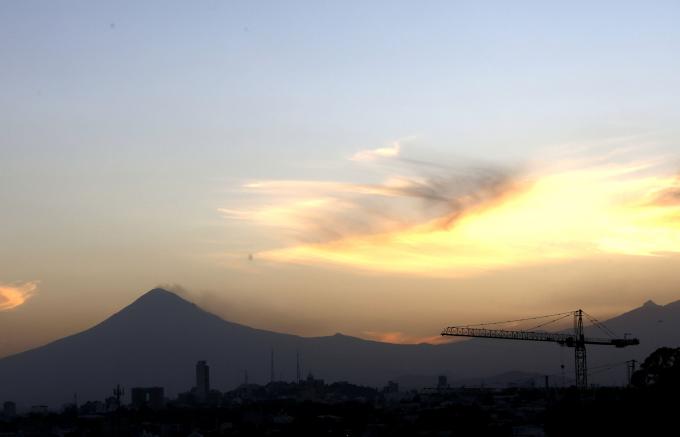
380, 169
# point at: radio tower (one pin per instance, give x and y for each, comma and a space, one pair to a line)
118, 392
297, 365
271, 367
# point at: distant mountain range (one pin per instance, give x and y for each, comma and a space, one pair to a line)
157, 340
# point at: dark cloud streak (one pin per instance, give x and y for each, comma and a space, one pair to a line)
446, 194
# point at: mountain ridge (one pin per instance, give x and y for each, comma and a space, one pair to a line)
157, 339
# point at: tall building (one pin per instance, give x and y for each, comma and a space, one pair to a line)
9, 409
202, 381
151, 397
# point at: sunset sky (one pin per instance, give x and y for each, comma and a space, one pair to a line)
381, 170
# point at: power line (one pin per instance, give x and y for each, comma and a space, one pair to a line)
519, 320
600, 325
550, 321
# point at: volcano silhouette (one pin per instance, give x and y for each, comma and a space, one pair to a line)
156, 341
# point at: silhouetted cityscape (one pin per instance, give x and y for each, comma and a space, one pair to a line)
311, 406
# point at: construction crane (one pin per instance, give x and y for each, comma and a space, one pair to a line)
577, 339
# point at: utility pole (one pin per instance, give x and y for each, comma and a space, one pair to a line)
630, 367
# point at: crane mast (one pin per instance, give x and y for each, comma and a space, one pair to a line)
577, 340
580, 362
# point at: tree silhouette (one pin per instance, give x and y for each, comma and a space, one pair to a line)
660, 369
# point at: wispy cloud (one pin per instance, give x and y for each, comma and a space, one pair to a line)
391, 151
16, 294
323, 211
411, 192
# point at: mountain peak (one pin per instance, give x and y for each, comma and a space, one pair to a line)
153, 307
159, 293
650, 304
160, 298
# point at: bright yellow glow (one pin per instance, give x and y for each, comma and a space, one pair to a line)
566, 214
12, 296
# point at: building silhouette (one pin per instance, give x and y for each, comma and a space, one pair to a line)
9, 409
150, 397
39, 409
202, 381
392, 387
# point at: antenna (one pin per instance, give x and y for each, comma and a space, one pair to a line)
271, 367
297, 365
118, 392
630, 370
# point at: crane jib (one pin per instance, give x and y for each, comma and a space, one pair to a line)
576, 339
568, 340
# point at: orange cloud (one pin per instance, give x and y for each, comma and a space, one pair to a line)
669, 196
402, 338
14, 295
